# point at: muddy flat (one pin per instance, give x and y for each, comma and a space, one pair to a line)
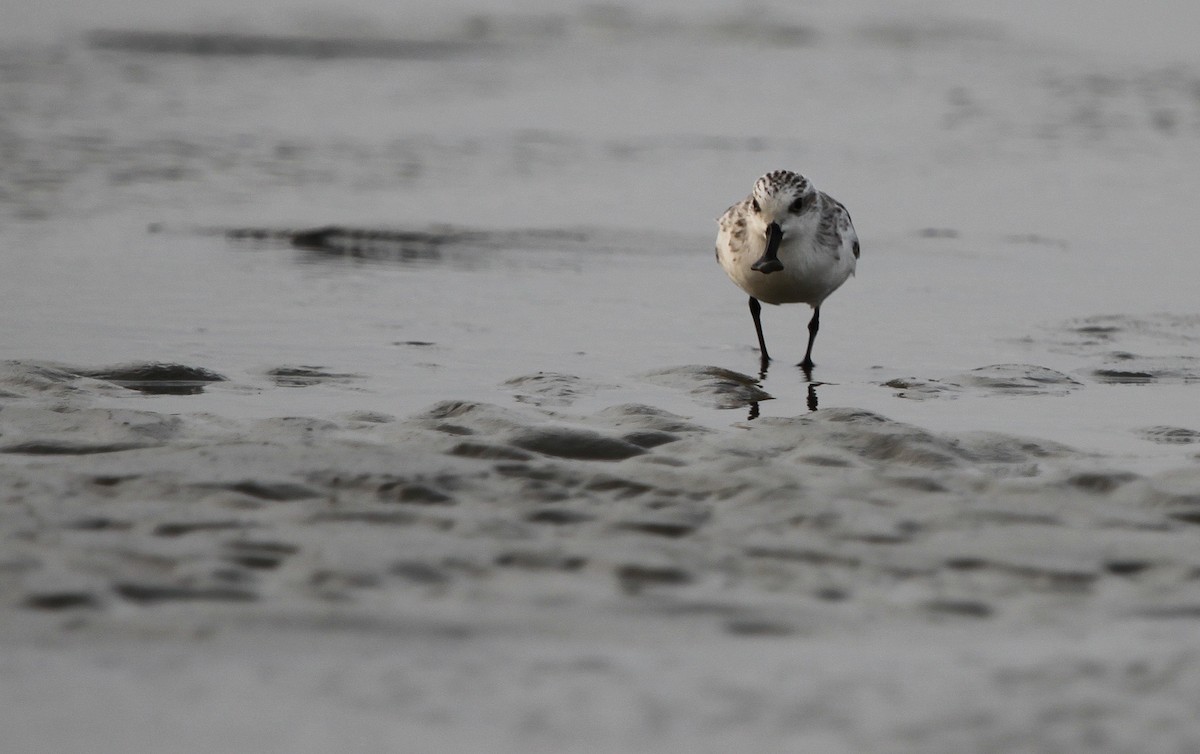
368, 382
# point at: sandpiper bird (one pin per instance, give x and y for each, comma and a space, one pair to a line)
787, 243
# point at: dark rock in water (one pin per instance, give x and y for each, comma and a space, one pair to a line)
305, 376
569, 442
713, 386
156, 378
69, 448
1123, 377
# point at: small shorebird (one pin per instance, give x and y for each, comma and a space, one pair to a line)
787, 243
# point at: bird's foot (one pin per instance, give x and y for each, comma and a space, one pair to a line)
767, 265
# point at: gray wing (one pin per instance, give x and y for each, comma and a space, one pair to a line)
835, 226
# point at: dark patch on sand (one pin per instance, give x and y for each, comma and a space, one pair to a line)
259, 556
266, 490
1170, 435
649, 438
541, 560
67, 448
156, 378
669, 528
1123, 368
179, 529
759, 627
551, 388
959, 608
240, 44
569, 442
414, 494
995, 380
153, 594
374, 518
55, 601
420, 572
434, 245
306, 376
98, 523
1101, 482
634, 578
488, 451
1117, 344
1127, 567
559, 516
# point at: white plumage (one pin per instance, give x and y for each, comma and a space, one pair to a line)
787, 243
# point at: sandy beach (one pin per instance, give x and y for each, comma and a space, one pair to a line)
368, 383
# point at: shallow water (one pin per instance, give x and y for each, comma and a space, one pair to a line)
529, 405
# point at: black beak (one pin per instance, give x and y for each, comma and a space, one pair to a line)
769, 262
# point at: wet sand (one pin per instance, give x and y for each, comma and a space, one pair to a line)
494, 467
836, 579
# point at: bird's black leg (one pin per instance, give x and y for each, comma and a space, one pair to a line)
814, 324
755, 308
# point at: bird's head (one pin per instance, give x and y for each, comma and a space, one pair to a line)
782, 198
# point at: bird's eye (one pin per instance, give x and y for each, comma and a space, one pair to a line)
754, 205
796, 207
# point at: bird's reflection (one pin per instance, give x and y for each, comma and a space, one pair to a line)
811, 399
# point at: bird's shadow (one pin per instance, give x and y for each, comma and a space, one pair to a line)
811, 399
